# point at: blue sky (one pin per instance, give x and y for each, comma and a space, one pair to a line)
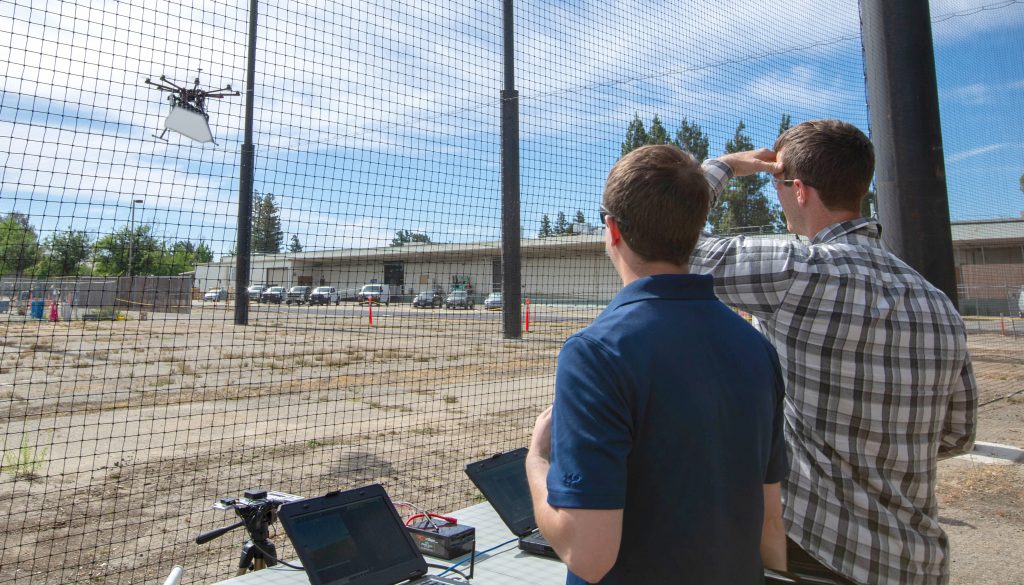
378, 116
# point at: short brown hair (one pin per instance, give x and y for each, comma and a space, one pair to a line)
661, 199
832, 156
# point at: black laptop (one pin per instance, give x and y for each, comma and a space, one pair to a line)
355, 537
502, 480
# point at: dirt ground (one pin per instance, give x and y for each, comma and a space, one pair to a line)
118, 436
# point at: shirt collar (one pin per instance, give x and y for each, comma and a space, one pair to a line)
666, 286
864, 226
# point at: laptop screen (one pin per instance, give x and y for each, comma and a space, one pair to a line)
502, 480
351, 538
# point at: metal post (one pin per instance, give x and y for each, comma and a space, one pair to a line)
131, 249
245, 181
910, 173
510, 228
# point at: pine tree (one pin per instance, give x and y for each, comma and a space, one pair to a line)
743, 204
545, 226
657, 134
561, 225
267, 236
784, 124
580, 218
691, 138
636, 136
294, 245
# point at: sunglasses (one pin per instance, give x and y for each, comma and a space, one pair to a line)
777, 181
603, 212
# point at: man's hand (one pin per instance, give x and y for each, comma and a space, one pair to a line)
749, 162
540, 443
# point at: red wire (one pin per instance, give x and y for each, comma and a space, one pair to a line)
447, 519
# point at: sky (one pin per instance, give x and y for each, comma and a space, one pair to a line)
374, 116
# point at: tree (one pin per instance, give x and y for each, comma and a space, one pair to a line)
19, 244
267, 236
784, 124
657, 134
63, 254
294, 245
545, 226
403, 237
691, 138
742, 203
1022, 183
580, 218
112, 252
561, 225
869, 203
183, 256
636, 136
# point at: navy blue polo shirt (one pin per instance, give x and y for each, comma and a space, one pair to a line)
669, 406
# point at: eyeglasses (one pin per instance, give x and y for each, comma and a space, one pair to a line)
603, 213
777, 181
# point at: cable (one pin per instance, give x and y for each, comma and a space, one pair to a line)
447, 569
277, 560
452, 567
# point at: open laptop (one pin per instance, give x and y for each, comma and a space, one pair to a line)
355, 537
502, 480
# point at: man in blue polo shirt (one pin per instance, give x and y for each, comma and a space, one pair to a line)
660, 460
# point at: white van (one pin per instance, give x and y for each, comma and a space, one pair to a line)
375, 293
1020, 302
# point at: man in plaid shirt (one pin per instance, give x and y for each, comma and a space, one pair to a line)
879, 381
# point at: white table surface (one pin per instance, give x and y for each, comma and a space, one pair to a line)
506, 565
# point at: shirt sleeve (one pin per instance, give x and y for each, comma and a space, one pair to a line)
750, 274
591, 430
961, 415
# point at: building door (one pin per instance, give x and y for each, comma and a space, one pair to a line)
496, 275
394, 274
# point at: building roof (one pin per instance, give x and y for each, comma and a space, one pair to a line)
989, 231
964, 233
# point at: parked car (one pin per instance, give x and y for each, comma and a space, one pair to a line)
1020, 303
255, 291
375, 293
298, 295
216, 294
428, 299
274, 294
324, 295
459, 299
493, 301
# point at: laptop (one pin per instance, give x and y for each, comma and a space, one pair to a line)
502, 480
355, 537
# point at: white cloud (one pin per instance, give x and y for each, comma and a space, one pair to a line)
962, 156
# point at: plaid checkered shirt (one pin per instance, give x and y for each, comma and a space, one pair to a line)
879, 386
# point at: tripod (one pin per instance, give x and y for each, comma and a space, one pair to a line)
257, 513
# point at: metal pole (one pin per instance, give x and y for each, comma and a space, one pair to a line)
245, 181
910, 173
511, 265
131, 244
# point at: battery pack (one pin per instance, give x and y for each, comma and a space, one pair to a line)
443, 542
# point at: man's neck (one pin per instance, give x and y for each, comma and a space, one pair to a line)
828, 219
630, 272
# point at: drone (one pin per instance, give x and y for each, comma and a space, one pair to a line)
188, 108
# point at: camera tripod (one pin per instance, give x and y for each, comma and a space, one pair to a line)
257, 513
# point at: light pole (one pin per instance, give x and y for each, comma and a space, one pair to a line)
131, 239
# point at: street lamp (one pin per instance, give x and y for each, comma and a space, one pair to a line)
131, 238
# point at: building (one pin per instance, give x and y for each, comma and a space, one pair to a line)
988, 256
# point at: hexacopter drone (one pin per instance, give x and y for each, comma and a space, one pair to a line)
188, 108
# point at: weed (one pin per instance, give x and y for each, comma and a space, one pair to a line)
451, 399
25, 461
313, 443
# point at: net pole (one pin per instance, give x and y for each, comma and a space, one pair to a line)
245, 180
903, 103
510, 215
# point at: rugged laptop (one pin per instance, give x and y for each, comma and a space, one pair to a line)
355, 537
502, 480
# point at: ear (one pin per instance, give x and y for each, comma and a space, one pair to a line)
803, 192
613, 230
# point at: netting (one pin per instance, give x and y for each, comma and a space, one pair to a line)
374, 352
